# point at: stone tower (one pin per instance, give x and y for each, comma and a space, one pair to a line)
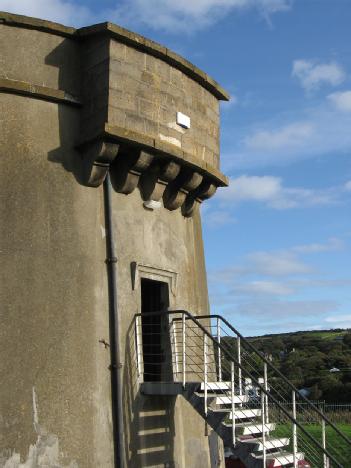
76, 105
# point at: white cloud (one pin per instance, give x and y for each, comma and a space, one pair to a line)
217, 218
259, 188
341, 100
306, 133
332, 244
291, 135
279, 285
274, 6
272, 264
289, 309
339, 318
64, 12
270, 190
277, 264
280, 263
312, 74
190, 15
264, 287
225, 105
348, 186
181, 15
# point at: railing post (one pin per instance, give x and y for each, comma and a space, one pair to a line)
205, 373
325, 458
294, 429
265, 377
175, 346
219, 350
183, 348
137, 344
232, 394
263, 419
239, 370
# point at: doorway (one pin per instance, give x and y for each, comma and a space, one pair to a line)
155, 331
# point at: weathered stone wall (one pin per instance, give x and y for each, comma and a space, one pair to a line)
40, 58
55, 393
95, 86
145, 95
55, 383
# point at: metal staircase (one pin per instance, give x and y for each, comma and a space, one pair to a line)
259, 414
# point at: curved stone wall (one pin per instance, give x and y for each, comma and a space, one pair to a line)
67, 121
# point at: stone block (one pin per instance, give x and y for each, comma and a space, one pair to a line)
95, 53
148, 109
162, 69
118, 51
135, 57
123, 100
188, 144
116, 116
135, 123
151, 79
123, 69
177, 78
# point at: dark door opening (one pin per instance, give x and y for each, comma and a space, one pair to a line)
155, 334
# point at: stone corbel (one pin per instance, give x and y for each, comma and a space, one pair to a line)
204, 191
154, 182
177, 191
97, 158
128, 168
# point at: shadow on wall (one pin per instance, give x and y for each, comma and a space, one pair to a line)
70, 116
150, 421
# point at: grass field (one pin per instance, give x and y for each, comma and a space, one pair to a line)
335, 444
322, 334
328, 335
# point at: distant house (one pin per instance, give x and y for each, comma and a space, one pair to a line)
334, 369
339, 338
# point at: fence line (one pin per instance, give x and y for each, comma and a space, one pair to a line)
337, 412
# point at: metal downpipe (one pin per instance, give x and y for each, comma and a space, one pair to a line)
116, 366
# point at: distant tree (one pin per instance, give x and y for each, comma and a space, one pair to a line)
347, 339
316, 392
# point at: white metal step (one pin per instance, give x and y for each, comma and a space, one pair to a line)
270, 443
280, 458
245, 413
213, 386
226, 400
251, 428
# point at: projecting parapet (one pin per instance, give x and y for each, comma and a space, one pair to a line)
147, 114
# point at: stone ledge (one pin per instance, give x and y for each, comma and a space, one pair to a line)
24, 88
164, 149
122, 35
29, 22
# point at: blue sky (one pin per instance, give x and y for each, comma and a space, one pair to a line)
278, 240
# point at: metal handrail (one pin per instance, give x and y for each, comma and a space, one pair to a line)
281, 375
261, 387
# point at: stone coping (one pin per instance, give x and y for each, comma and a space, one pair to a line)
154, 145
122, 35
39, 92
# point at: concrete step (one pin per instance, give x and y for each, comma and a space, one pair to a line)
243, 429
280, 459
270, 443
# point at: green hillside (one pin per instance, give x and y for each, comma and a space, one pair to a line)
319, 361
